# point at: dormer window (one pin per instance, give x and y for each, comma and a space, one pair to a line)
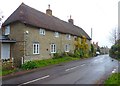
56, 34
7, 30
68, 36
42, 31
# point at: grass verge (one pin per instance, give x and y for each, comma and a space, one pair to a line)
42, 63
6, 72
113, 79
37, 64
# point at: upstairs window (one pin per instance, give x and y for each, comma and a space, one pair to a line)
53, 48
67, 48
68, 36
75, 38
36, 48
7, 30
56, 34
42, 31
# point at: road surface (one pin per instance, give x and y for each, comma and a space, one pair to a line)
88, 71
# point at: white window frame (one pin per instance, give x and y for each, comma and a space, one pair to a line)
56, 34
7, 30
53, 48
67, 48
36, 48
68, 36
42, 31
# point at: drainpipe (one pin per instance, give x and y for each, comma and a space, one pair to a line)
22, 58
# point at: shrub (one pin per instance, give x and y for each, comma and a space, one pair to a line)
7, 66
70, 54
29, 65
114, 51
77, 53
41, 63
57, 55
64, 54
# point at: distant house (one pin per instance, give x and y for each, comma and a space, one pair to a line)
104, 50
29, 34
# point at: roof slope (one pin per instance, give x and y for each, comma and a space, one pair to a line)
31, 16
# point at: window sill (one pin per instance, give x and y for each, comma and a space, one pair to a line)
67, 51
57, 36
36, 54
53, 52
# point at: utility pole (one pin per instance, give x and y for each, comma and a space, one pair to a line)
91, 33
118, 20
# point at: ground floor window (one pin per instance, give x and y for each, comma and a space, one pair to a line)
67, 48
36, 48
5, 51
53, 48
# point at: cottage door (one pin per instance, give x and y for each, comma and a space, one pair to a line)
5, 51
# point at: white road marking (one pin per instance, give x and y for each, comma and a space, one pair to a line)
34, 80
82, 64
71, 68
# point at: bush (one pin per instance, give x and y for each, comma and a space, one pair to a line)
77, 53
57, 55
114, 51
29, 65
70, 54
64, 54
41, 63
7, 66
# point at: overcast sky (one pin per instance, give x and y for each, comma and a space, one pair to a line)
101, 15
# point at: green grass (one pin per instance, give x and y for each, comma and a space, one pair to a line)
43, 63
6, 69
114, 79
6, 72
0, 72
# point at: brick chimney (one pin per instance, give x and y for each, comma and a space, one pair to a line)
70, 20
49, 11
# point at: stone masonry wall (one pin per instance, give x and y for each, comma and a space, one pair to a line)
44, 42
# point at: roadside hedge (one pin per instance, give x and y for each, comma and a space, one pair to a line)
114, 52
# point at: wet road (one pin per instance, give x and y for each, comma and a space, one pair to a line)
88, 71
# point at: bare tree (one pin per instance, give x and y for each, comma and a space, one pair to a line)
113, 36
